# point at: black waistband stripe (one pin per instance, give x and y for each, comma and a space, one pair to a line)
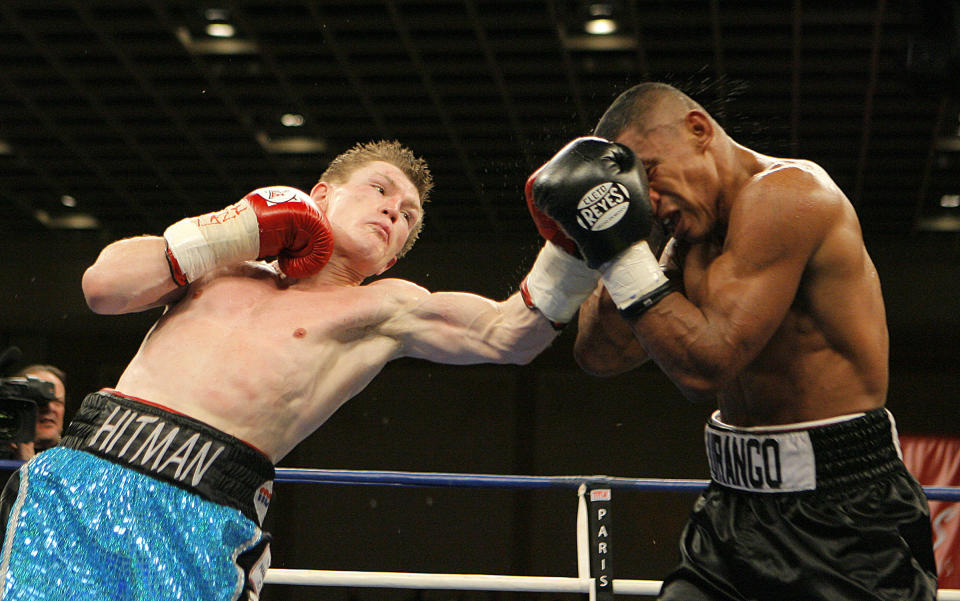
174, 448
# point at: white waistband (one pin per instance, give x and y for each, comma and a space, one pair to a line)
716, 421
761, 462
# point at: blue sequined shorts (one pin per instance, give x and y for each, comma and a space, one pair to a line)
117, 527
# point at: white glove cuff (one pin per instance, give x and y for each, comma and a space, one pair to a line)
200, 244
558, 283
632, 275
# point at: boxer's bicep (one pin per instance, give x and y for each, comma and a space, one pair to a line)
130, 275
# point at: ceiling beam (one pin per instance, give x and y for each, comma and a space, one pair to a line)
795, 71
458, 147
268, 57
56, 64
513, 115
137, 73
349, 71
575, 92
216, 86
868, 103
931, 157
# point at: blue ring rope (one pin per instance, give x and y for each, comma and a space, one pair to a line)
449, 480
431, 479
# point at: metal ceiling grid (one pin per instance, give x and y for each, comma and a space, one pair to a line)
125, 106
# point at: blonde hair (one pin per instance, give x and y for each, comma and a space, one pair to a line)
388, 151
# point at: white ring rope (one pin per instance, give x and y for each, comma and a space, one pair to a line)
476, 582
460, 582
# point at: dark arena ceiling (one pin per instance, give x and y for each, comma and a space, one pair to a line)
125, 115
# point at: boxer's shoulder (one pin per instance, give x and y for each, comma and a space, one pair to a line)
397, 293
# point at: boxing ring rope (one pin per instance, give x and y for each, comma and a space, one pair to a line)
584, 583
451, 480
587, 580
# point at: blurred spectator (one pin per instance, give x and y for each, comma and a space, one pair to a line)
49, 418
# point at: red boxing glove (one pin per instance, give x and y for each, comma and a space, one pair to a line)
277, 221
548, 228
293, 229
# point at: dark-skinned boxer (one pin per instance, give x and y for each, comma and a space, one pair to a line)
773, 312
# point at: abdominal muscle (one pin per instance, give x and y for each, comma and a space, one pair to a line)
799, 376
263, 363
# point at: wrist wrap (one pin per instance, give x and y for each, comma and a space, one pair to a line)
644, 303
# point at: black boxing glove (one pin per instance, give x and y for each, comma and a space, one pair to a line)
559, 280
596, 190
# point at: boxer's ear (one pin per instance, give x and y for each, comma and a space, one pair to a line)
320, 194
700, 127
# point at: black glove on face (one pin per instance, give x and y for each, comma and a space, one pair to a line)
596, 190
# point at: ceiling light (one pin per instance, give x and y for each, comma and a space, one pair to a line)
600, 19
68, 201
939, 223
220, 30
5, 148
950, 201
292, 144
600, 26
73, 221
292, 120
215, 46
613, 42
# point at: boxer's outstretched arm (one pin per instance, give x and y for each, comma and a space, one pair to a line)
462, 328
130, 275
606, 344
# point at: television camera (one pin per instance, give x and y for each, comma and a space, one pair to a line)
20, 399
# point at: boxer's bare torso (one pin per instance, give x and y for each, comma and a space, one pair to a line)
828, 354
268, 359
782, 307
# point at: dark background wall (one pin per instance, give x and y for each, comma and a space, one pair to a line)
547, 418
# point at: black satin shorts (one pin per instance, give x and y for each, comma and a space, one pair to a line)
862, 532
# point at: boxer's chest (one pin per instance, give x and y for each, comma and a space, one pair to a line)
697, 261
306, 313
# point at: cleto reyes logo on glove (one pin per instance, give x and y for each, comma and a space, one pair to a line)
603, 206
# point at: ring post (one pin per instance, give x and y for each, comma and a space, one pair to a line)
601, 557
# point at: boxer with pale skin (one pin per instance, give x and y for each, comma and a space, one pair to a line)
280, 355
249, 357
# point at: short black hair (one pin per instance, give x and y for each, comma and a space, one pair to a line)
634, 106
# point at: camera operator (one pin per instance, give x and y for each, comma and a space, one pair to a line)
49, 416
